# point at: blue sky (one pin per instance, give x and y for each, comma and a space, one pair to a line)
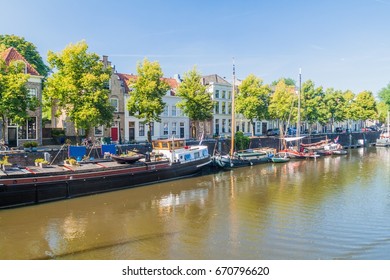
344, 44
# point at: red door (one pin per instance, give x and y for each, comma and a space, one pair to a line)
114, 134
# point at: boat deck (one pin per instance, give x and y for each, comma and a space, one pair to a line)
56, 169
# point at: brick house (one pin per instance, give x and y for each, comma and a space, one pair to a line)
31, 130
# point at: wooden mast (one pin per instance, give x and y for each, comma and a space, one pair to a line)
233, 128
298, 131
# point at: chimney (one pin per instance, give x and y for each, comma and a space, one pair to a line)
105, 61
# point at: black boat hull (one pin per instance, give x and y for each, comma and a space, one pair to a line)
28, 193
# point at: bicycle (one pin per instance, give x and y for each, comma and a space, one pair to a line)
89, 143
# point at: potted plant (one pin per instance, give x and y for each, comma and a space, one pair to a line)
5, 164
30, 146
34, 146
71, 161
41, 162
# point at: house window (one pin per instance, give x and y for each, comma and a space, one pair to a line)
32, 92
258, 127
166, 129
216, 107
99, 130
173, 111
165, 113
230, 125
229, 107
217, 126
141, 129
174, 128
223, 125
223, 107
29, 129
229, 95
223, 94
217, 93
115, 103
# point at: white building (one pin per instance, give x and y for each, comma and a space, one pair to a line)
221, 91
222, 121
173, 122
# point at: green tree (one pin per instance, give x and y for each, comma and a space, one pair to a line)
312, 104
364, 106
145, 100
382, 108
79, 87
196, 102
287, 81
28, 50
281, 104
384, 94
349, 114
253, 99
335, 106
14, 98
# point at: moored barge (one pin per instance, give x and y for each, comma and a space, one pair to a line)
170, 159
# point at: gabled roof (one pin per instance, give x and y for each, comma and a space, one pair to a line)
11, 54
127, 79
130, 78
206, 80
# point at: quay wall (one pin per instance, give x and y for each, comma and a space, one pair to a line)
58, 153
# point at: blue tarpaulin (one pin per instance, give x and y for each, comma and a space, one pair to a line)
77, 152
109, 149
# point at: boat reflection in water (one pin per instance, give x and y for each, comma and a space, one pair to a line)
331, 208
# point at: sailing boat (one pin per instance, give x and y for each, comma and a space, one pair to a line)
301, 152
247, 157
384, 140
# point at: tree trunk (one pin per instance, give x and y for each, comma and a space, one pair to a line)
150, 133
4, 127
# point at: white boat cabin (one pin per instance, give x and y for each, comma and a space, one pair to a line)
176, 150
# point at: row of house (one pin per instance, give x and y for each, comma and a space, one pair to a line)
126, 128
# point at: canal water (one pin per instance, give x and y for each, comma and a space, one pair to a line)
329, 208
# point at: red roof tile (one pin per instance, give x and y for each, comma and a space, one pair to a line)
11, 54
130, 78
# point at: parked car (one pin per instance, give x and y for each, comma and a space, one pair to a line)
373, 128
339, 129
313, 131
367, 129
292, 131
273, 132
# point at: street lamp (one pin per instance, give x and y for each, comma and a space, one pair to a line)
119, 128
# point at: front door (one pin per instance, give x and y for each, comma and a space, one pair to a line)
264, 128
114, 133
181, 130
12, 137
131, 131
